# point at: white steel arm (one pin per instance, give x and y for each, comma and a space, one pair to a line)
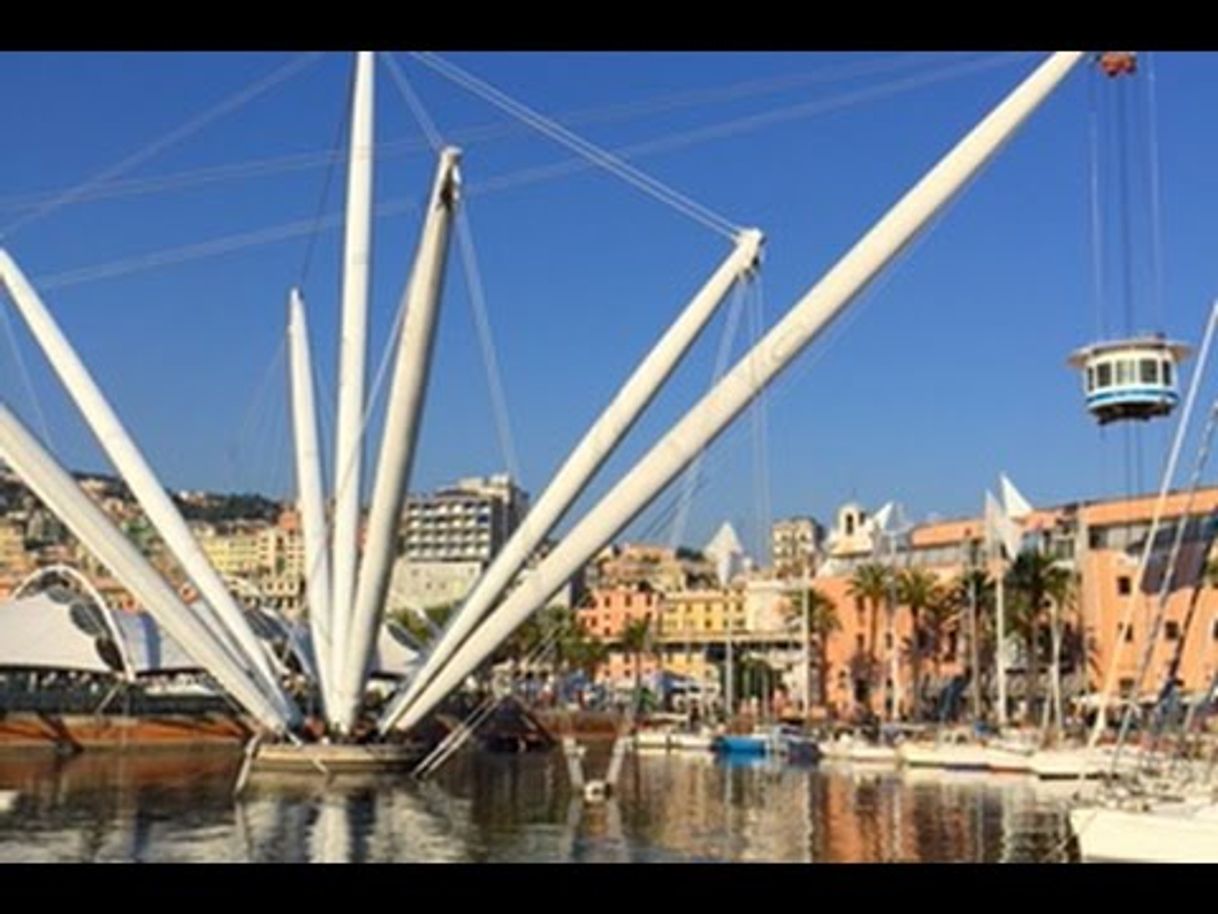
352, 353
310, 493
404, 408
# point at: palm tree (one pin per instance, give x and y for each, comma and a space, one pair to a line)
823, 621
939, 617
871, 583
1036, 582
636, 639
975, 584
917, 590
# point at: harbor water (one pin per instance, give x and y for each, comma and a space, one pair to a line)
170, 806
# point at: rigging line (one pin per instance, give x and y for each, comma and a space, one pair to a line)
730, 440
531, 175
1126, 205
764, 435
426, 124
261, 392
335, 156
605, 159
498, 130
689, 479
738, 125
476, 294
1180, 527
1156, 214
26, 379
1096, 220
224, 245
475, 291
232, 103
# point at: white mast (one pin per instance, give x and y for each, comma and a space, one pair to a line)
749, 376
310, 492
135, 471
56, 489
348, 451
583, 462
398, 439
1000, 534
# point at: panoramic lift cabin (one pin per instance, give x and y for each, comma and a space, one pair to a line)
1130, 379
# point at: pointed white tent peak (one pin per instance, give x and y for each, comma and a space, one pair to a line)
724, 542
999, 528
727, 552
1017, 507
879, 521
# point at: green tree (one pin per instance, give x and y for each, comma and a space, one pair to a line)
636, 641
1036, 583
940, 617
871, 583
917, 590
977, 584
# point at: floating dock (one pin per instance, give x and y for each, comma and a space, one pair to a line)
336, 758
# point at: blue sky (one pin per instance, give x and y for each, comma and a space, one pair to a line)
949, 370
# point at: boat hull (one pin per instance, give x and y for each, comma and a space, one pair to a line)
1175, 833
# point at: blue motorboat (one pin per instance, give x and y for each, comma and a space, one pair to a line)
744, 744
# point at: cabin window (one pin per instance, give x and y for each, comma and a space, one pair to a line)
1090, 379
1148, 371
1124, 372
1167, 373
1103, 374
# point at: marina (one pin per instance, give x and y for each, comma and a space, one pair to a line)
357, 670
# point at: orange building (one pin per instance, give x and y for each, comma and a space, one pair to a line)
1101, 543
605, 613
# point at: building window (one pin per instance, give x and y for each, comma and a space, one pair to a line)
1126, 687
1124, 585
1171, 631
1128, 633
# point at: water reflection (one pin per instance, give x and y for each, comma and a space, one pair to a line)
177, 807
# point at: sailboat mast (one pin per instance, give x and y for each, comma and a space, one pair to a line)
353, 345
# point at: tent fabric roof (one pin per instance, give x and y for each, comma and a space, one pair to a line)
52, 630
60, 630
152, 650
